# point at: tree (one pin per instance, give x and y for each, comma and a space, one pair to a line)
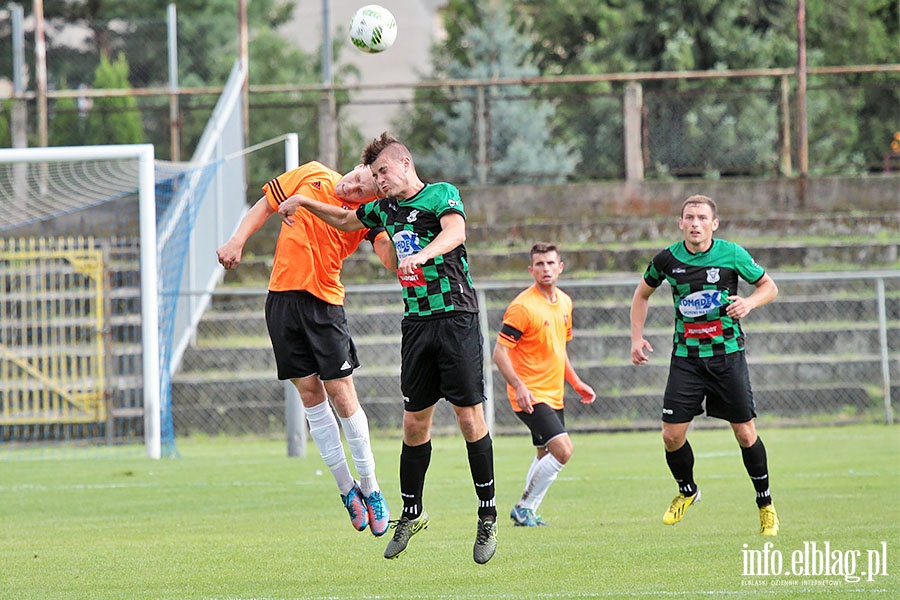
66, 124
522, 141
850, 123
115, 119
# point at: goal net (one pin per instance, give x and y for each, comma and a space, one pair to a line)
98, 245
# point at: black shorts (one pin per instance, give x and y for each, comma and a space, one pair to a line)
441, 358
309, 337
545, 423
724, 381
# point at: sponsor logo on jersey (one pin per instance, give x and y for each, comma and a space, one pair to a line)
317, 185
701, 303
678, 270
453, 203
707, 330
712, 275
407, 244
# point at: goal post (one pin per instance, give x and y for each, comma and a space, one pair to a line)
143, 154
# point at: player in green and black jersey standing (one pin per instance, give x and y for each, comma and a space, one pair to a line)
708, 355
441, 349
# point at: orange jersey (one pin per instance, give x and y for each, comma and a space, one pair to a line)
536, 332
309, 254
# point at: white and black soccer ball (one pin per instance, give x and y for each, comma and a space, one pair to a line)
373, 29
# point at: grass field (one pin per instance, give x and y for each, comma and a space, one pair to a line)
237, 519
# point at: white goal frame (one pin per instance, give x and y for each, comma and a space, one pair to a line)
144, 154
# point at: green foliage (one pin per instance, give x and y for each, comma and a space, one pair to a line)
851, 125
66, 125
113, 120
523, 143
849, 129
5, 118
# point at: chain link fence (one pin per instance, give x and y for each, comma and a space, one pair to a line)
825, 351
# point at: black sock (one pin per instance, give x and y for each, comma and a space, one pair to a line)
681, 464
758, 470
481, 464
414, 461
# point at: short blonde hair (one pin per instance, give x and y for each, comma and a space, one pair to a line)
698, 199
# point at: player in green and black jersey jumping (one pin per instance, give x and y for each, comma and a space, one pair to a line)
441, 348
708, 359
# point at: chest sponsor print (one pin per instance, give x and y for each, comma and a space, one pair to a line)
701, 303
407, 244
710, 329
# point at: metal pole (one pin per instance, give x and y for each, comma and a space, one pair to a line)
294, 415
803, 137
19, 117
785, 126
20, 106
481, 130
174, 125
327, 103
294, 420
244, 43
40, 67
487, 367
885, 363
633, 109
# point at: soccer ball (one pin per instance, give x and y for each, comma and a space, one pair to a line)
373, 29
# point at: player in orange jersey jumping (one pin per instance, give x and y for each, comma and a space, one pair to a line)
307, 325
531, 354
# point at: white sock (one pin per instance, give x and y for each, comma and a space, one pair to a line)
323, 428
544, 474
356, 430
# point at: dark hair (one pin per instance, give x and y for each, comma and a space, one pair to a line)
542, 248
697, 199
374, 148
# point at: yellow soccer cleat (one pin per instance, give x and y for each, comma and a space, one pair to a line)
679, 505
768, 520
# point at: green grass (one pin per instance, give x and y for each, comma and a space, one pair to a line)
237, 519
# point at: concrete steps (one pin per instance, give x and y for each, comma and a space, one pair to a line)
814, 350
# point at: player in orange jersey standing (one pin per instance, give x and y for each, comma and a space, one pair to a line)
531, 354
307, 324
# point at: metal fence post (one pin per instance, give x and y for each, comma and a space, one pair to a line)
294, 421
488, 369
634, 155
883, 343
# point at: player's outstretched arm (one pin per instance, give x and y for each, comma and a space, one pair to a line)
229, 253
336, 216
453, 233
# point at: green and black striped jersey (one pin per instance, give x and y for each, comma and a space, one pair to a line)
443, 284
701, 284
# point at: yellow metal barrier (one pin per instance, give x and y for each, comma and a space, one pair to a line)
52, 324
